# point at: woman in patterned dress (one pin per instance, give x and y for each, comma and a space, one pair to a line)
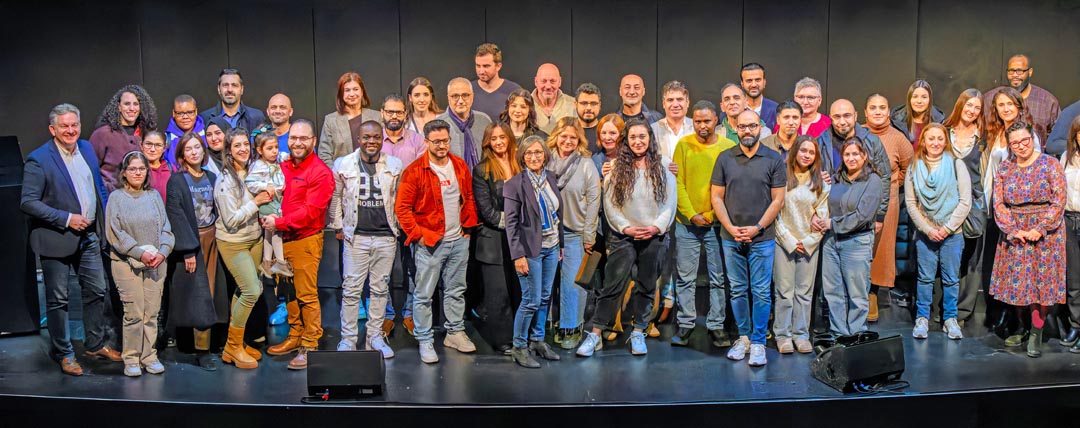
1029, 205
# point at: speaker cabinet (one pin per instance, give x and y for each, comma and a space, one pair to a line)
345, 374
868, 362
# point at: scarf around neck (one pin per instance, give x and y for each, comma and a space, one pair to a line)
937, 190
564, 169
545, 197
465, 126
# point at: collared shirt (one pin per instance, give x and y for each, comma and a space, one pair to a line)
82, 180
308, 189
408, 148
749, 182
668, 137
564, 107
1042, 105
733, 135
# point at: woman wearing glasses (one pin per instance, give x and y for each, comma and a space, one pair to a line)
1029, 207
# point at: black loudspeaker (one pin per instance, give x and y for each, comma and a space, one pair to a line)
867, 362
19, 312
334, 375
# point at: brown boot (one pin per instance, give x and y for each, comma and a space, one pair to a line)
254, 353
234, 350
299, 362
290, 344
873, 315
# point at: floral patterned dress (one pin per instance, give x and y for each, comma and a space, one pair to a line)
1026, 198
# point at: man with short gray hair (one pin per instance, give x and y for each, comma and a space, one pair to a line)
466, 125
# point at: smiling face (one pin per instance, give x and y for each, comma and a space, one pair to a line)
732, 101
460, 94
301, 141
809, 98
753, 81
420, 97
1007, 109
535, 156
135, 173
806, 155
854, 159
279, 110
972, 110
153, 146
567, 141
518, 110
240, 149
609, 136
638, 139
215, 137
843, 117
1022, 144
230, 89
352, 94
499, 141
66, 129
877, 112
129, 109
675, 104
631, 89
920, 101
934, 139
438, 142
193, 152
370, 140
547, 83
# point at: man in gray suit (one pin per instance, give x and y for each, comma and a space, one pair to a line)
466, 125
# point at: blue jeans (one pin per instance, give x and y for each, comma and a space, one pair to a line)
845, 280
934, 257
750, 271
446, 260
531, 314
571, 296
688, 241
406, 268
87, 263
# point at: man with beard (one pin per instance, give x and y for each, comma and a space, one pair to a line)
675, 125
752, 79
406, 146
696, 226
587, 101
632, 92
1042, 105
230, 90
308, 189
788, 116
362, 212
280, 111
747, 190
733, 102
184, 119
845, 125
490, 90
549, 101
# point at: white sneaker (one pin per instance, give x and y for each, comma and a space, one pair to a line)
590, 344
739, 349
346, 345
132, 370
922, 327
155, 367
378, 343
427, 353
757, 355
952, 328
637, 343
460, 341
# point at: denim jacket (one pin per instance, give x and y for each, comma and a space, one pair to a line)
343, 212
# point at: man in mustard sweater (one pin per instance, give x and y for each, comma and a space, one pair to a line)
696, 226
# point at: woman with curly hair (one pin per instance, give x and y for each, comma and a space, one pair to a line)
639, 202
126, 118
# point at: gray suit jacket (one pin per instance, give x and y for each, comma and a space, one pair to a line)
457, 138
336, 139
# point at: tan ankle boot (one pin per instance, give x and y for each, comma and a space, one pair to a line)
234, 350
254, 353
873, 315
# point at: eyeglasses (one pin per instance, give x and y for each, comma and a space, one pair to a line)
463, 97
185, 113
589, 103
534, 154
1017, 70
807, 97
154, 145
393, 113
300, 138
1026, 141
749, 127
445, 142
136, 169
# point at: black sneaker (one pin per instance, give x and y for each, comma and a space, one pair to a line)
681, 337
720, 338
205, 361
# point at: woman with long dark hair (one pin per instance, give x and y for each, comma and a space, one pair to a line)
239, 240
520, 115
639, 203
917, 112
492, 252
1071, 160
123, 122
420, 105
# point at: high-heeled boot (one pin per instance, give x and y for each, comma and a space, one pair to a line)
234, 352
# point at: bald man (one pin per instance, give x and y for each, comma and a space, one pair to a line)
549, 101
845, 124
1043, 106
466, 125
632, 92
279, 111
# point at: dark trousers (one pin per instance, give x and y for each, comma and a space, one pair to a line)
623, 255
971, 277
497, 318
88, 265
1072, 270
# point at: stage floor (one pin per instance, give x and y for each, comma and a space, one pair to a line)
695, 374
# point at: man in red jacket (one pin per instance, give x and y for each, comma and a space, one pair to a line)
309, 185
435, 209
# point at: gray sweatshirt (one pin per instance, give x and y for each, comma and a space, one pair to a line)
136, 222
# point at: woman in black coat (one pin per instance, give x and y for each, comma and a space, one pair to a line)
497, 166
193, 265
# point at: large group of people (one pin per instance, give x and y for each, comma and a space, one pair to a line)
557, 215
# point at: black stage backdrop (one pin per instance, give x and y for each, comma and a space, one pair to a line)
81, 52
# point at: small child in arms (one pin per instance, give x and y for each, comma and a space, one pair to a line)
265, 175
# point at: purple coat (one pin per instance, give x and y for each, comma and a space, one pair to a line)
110, 147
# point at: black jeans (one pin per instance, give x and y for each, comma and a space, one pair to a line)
1072, 270
624, 254
89, 266
971, 277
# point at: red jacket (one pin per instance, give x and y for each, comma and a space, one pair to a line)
419, 201
308, 188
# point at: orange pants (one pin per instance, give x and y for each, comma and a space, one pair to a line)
305, 316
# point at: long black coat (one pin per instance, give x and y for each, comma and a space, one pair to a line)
186, 300
491, 246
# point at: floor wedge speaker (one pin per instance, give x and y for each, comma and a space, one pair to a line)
334, 375
871, 362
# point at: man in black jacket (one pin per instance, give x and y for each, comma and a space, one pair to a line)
230, 90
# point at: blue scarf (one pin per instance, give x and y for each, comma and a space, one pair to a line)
470, 155
547, 216
937, 190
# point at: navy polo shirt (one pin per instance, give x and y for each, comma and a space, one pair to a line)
749, 182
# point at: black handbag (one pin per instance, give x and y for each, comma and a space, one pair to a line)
975, 223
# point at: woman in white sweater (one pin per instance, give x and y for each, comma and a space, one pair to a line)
639, 202
796, 260
937, 191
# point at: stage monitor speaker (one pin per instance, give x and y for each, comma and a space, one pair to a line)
333, 375
865, 363
19, 311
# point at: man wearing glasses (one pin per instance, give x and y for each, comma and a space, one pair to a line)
435, 209
587, 102
1042, 105
733, 102
230, 89
466, 125
185, 118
